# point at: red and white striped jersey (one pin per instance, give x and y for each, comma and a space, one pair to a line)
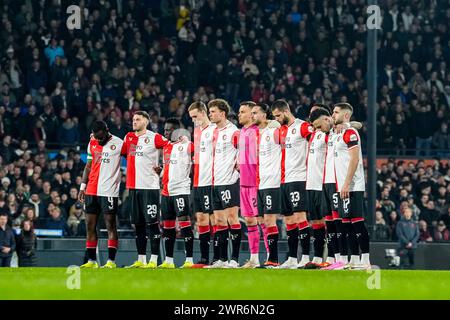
315, 162
225, 155
346, 141
104, 178
293, 150
330, 177
203, 155
177, 168
269, 159
142, 155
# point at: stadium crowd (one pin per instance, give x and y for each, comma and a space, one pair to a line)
135, 55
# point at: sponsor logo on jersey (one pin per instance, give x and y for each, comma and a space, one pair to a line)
353, 137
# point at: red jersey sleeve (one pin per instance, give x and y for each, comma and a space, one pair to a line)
125, 146
306, 130
277, 136
235, 139
191, 148
351, 138
160, 141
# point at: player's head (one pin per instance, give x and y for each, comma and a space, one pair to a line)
218, 110
245, 112
320, 119
259, 113
140, 120
342, 112
198, 113
171, 125
100, 131
316, 106
281, 111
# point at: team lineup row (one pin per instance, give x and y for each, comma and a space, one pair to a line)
311, 172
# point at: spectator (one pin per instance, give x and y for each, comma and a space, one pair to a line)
381, 231
57, 222
7, 242
430, 214
76, 221
393, 221
408, 236
53, 51
446, 218
26, 245
441, 232
441, 141
425, 235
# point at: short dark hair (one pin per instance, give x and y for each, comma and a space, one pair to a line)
221, 104
321, 105
251, 104
316, 114
175, 122
264, 107
99, 125
281, 105
344, 106
142, 113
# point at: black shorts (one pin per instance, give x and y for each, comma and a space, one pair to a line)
225, 197
353, 206
202, 199
314, 201
175, 206
293, 197
99, 204
268, 201
330, 199
144, 206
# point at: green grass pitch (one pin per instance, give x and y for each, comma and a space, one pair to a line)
191, 284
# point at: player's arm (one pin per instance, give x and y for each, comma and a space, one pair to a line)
160, 143
235, 142
356, 125
351, 139
306, 130
85, 179
344, 126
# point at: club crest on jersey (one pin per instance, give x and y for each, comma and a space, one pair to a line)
207, 135
339, 138
319, 135
146, 140
267, 138
180, 148
224, 137
113, 147
294, 131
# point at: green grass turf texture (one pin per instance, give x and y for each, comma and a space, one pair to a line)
191, 284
